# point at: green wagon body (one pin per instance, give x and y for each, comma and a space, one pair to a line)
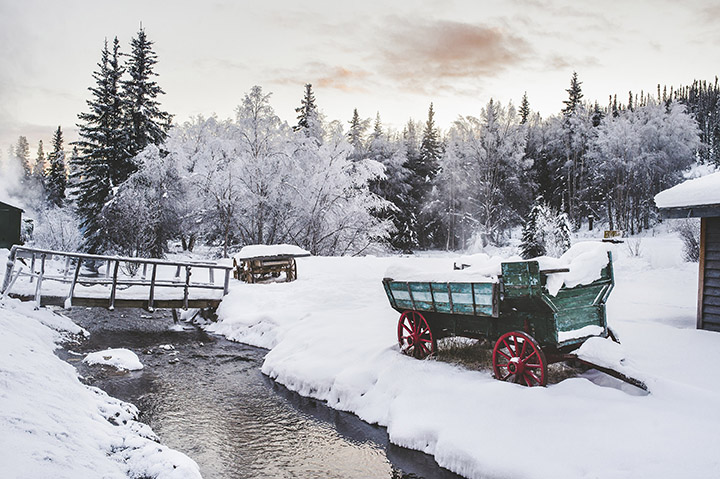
519, 301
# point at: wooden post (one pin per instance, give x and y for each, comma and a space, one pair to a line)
701, 273
187, 287
107, 269
226, 290
177, 272
67, 267
211, 275
144, 273
38, 295
114, 284
9, 269
32, 268
74, 282
151, 306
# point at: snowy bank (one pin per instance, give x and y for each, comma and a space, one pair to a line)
332, 336
51, 425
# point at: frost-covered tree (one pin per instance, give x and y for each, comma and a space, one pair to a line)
57, 229
393, 186
546, 232
492, 147
524, 110
57, 173
532, 243
638, 154
148, 124
103, 161
143, 215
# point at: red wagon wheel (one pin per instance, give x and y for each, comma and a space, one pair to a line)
517, 357
414, 335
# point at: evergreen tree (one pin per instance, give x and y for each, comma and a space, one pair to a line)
103, 160
57, 174
22, 153
308, 116
148, 124
424, 168
532, 243
524, 109
574, 95
356, 133
561, 236
39, 167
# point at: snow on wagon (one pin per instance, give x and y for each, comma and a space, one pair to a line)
536, 311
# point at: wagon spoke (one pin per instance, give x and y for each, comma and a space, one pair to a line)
503, 354
509, 348
522, 353
530, 373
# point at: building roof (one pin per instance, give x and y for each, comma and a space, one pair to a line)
5, 205
691, 198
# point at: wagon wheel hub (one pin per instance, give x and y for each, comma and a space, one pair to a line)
515, 366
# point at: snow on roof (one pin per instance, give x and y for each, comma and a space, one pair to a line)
699, 191
261, 250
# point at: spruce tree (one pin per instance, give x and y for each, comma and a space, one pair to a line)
308, 116
524, 109
57, 174
424, 168
39, 166
147, 123
532, 243
22, 153
574, 95
356, 133
103, 157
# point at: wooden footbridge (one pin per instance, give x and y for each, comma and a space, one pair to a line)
75, 279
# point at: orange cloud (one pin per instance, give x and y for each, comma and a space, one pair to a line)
442, 50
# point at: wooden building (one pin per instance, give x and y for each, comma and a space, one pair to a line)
700, 198
10, 221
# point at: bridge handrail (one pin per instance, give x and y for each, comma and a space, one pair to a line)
124, 259
17, 251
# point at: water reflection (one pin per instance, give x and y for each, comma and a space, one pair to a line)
206, 397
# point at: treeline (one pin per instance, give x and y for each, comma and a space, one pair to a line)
135, 183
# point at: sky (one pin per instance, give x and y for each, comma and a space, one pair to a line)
394, 58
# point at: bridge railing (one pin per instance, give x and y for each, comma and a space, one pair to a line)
75, 268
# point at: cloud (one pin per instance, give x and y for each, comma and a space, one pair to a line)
425, 54
321, 75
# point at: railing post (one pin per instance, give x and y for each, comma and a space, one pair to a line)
68, 300
32, 268
211, 275
9, 269
187, 287
151, 307
67, 266
226, 289
114, 284
38, 295
144, 273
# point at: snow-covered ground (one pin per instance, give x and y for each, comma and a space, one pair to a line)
332, 336
51, 425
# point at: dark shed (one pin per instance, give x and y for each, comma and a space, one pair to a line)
700, 198
10, 220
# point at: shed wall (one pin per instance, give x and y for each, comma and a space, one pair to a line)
10, 219
709, 301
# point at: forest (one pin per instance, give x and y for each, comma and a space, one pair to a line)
136, 181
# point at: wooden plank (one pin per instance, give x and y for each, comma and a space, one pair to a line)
711, 263
122, 303
712, 282
712, 291
710, 309
709, 318
711, 300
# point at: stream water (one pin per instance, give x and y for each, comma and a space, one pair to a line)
205, 396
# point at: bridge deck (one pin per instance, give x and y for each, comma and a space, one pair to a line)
77, 279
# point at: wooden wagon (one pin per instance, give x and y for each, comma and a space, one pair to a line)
264, 263
531, 328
